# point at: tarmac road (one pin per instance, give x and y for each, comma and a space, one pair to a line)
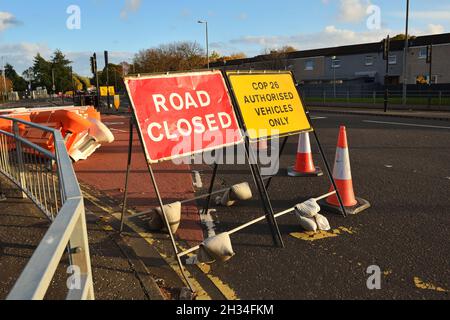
402, 166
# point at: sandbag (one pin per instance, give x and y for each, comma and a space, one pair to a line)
308, 209
203, 256
173, 213
309, 224
241, 192
219, 247
322, 223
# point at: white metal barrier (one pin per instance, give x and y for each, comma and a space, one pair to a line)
47, 178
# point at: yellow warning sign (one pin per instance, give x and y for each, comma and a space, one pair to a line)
104, 91
269, 103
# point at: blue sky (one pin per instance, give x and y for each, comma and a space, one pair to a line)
126, 26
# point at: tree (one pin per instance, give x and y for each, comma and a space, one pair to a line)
175, 56
8, 82
41, 72
57, 69
233, 56
276, 59
62, 71
402, 37
116, 73
18, 83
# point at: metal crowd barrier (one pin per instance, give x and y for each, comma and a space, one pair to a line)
48, 180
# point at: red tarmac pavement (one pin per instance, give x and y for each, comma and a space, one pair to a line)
105, 170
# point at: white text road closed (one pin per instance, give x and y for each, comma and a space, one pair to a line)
182, 114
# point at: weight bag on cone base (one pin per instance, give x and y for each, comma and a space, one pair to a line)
304, 165
343, 178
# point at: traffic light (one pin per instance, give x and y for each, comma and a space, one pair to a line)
386, 48
92, 65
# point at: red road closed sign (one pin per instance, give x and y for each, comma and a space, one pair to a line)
183, 114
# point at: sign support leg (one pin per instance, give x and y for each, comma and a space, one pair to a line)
125, 195
211, 188
283, 145
169, 230
265, 200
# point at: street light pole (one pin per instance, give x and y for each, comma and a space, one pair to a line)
405, 56
5, 92
333, 58
207, 40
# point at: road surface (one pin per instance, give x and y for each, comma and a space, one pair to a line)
402, 166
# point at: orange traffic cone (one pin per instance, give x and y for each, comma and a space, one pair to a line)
304, 165
343, 178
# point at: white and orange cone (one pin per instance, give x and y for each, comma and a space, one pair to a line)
343, 178
304, 165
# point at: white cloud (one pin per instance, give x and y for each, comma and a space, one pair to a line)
353, 11
242, 16
435, 28
431, 15
330, 36
7, 20
130, 6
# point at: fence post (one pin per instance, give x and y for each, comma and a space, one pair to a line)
324, 94
19, 152
348, 97
440, 98
374, 97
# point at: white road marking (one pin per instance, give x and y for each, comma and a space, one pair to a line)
113, 123
208, 221
406, 124
318, 118
114, 129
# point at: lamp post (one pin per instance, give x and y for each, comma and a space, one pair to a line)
333, 58
5, 91
405, 56
207, 40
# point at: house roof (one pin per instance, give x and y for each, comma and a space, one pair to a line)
396, 45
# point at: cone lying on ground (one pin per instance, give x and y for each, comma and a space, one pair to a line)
343, 177
304, 165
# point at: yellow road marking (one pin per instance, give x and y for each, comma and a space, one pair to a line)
319, 235
225, 289
201, 293
419, 283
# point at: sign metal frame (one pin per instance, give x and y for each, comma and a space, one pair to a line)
255, 170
